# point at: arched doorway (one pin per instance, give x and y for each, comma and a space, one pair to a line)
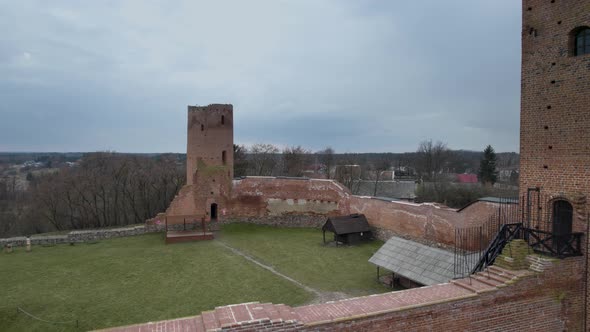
213, 213
562, 223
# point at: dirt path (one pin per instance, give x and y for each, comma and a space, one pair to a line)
320, 297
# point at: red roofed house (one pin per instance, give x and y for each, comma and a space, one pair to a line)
467, 178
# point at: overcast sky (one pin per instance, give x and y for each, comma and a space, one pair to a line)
360, 76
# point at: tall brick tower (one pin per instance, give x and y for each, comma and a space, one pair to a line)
555, 122
555, 104
210, 137
209, 170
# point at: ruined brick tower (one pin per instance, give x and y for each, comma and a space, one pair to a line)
209, 168
210, 138
555, 105
209, 163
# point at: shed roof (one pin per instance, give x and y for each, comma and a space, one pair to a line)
354, 223
415, 261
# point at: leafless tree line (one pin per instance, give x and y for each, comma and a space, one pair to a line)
268, 160
105, 189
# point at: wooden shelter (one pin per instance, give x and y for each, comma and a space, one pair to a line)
349, 229
191, 230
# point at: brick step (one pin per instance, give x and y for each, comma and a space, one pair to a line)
210, 321
464, 286
224, 316
501, 271
199, 325
286, 312
237, 314
494, 276
473, 285
489, 281
273, 312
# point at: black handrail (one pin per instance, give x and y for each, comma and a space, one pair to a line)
507, 233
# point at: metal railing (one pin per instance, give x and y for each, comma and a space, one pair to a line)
542, 223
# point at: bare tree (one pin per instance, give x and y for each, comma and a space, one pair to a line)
349, 175
327, 159
431, 159
263, 159
240, 160
295, 159
108, 189
378, 167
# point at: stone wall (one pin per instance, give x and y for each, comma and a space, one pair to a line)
79, 236
313, 221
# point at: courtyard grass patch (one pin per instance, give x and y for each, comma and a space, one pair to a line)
301, 254
129, 280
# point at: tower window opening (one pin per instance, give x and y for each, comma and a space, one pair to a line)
223, 119
202, 127
581, 41
223, 157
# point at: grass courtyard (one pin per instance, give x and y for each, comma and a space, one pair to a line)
139, 279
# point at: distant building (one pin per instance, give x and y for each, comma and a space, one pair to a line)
467, 178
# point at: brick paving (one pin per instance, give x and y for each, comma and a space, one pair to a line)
252, 316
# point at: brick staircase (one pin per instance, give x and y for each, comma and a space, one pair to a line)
247, 316
490, 279
238, 317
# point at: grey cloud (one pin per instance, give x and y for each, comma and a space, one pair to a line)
359, 76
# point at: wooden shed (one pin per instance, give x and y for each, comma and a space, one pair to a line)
349, 229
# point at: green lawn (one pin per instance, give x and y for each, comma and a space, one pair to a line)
139, 279
301, 254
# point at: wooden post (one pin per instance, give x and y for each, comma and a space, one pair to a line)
324, 234
377, 273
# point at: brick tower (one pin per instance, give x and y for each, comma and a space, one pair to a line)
555, 104
209, 173
555, 120
210, 138
209, 163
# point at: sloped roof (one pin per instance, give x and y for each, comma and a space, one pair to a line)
354, 223
415, 261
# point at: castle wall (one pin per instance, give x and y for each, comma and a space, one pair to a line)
265, 199
421, 222
269, 196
